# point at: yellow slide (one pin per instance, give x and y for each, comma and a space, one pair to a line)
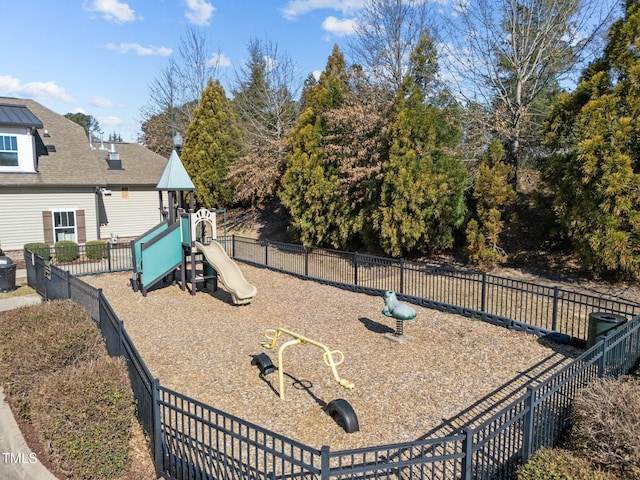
229, 273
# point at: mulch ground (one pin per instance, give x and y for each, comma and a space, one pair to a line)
203, 345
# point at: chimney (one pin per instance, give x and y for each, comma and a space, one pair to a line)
114, 159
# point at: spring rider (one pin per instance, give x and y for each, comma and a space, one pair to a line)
401, 312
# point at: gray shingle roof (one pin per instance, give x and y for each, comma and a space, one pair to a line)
75, 163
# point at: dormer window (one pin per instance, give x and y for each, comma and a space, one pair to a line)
18, 133
8, 151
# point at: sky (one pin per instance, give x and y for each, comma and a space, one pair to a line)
99, 57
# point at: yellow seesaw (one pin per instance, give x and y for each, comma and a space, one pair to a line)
273, 334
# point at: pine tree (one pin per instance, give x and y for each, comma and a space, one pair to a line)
595, 176
421, 197
310, 184
492, 193
212, 142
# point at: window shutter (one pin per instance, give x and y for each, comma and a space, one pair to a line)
47, 226
80, 227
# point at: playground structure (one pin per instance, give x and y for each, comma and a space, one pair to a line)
327, 356
339, 409
175, 250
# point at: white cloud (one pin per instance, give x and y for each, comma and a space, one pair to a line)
112, 10
295, 8
101, 102
110, 121
218, 60
79, 110
199, 12
316, 74
37, 90
139, 49
339, 27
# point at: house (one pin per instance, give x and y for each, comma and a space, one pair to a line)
56, 185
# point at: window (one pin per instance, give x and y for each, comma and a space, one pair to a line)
8, 151
64, 226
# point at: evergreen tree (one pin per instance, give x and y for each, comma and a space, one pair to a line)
212, 142
310, 184
90, 124
492, 193
356, 144
595, 175
422, 189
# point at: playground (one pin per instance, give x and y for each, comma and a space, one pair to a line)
388, 373
203, 346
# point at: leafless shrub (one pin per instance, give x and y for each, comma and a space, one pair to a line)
606, 425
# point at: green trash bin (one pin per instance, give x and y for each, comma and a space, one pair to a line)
601, 324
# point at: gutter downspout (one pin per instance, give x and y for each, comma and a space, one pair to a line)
97, 210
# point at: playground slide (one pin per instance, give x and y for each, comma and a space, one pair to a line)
156, 254
229, 273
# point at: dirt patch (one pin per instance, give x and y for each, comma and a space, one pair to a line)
269, 222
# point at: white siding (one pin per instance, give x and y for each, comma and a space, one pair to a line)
132, 216
21, 213
26, 149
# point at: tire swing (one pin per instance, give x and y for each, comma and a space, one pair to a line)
343, 414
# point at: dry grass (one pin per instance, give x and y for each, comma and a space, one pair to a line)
202, 346
606, 425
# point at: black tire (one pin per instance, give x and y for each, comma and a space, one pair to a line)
343, 414
264, 363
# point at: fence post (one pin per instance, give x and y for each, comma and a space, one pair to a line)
233, 245
157, 427
120, 337
266, 252
483, 300
325, 467
355, 269
109, 255
602, 362
529, 425
68, 275
467, 448
554, 314
402, 275
306, 262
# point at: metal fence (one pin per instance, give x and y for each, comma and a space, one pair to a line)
502, 301
191, 440
92, 258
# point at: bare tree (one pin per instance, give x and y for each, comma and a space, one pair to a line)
176, 91
197, 65
386, 33
504, 53
266, 87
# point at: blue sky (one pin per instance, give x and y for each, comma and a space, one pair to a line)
100, 56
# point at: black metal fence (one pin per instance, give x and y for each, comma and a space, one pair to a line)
502, 301
92, 258
191, 440
516, 304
